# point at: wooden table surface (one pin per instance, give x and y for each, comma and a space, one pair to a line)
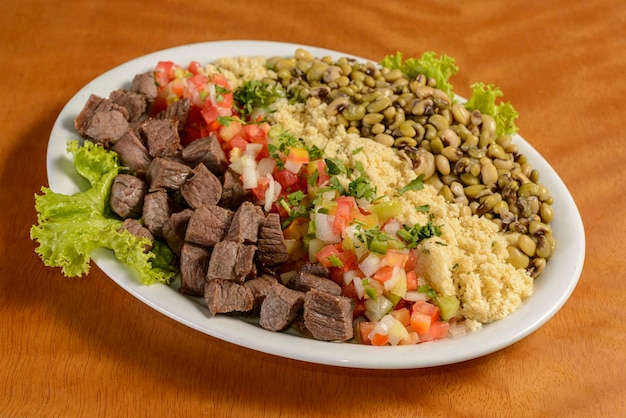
85, 347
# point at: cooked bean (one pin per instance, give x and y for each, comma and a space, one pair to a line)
458, 151
443, 164
527, 245
384, 139
517, 258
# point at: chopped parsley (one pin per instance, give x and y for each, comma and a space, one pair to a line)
252, 95
415, 184
413, 235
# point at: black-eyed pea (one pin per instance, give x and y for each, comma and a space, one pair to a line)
488, 173
465, 212
546, 212
536, 267
377, 128
517, 258
446, 193
384, 139
450, 138
536, 228
460, 114
544, 249
527, 245
452, 154
442, 163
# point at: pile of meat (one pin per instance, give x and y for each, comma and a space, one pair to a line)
229, 249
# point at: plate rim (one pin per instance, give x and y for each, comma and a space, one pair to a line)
187, 312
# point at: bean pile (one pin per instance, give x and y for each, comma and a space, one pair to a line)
459, 152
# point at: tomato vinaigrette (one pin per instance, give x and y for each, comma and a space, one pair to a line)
348, 230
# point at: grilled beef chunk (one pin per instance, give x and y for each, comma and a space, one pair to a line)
134, 103
145, 85
106, 127
207, 150
166, 174
316, 269
132, 153
232, 261
178, 110
272, 248
328, 317
244, 227
208, 225
174, 229
136, 228
201, 188
224, 296
280, 307
127, 193
161, 136
259, 288
95, 104
156, 212
304, 282
233, 193
194, 262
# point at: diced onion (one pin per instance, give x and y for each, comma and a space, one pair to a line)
249, 177
370, 265
358, 287
253, 149
392, 227
414, 296
324, 228
293, 166
348, 276
265, 166
395, 277
269, 193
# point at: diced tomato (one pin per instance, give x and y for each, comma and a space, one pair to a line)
427, 308
296, 229
259, 191
349, 291
396, 258
403, 315
238, 142
438, 330
164, 72
227, 132
198, 81
411, 263
383, 274
330, 252
285, 177
411, 280
345, 212
325, 254
379, 340
336, 275
365, 328
254, 133
420, 322
298, 155
210, 115
195, 67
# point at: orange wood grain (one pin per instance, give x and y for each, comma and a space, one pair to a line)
84, 347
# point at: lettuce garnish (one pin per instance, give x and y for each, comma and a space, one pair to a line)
440, 68
71, 227
484, 99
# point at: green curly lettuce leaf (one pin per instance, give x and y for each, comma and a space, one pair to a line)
440, 68
484, 100
70, 228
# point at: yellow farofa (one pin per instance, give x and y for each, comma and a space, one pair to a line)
468, 260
